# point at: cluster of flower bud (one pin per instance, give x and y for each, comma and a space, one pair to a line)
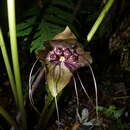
66, 55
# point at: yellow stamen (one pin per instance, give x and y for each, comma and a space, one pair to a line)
62, 58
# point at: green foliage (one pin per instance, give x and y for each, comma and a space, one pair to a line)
115, 114
44, 24
25, 27
46, 32
111, 111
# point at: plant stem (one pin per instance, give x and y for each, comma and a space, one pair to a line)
50, 112
7, 64
42, 115
14, 51
46, 115
8, 117
99, 20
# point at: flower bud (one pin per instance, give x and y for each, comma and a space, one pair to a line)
73, 58
52, 56
58, 51
67, 53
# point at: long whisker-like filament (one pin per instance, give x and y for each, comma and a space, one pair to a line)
76, 91
77, 98
40, 74
57, 110
30, 86
84, 88
95, 85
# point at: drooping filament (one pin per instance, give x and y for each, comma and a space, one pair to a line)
31, 81
30, 87
76, 91
84, 88
95, 85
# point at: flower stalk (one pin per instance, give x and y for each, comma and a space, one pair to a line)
63, 55
44, 118
15, 59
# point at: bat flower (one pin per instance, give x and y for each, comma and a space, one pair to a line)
62, 58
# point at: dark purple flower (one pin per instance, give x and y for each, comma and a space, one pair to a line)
68, 51
62, 58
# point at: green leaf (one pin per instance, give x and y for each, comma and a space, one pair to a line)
55, 19
47, 32
25, 27
118, 113
24, 32
100, 108
44, 27
110, 111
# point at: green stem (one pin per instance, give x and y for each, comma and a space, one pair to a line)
8, 117
99, 20
46, 115
50, 112
7, 64
15, 60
